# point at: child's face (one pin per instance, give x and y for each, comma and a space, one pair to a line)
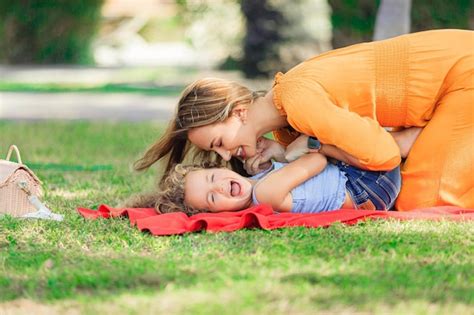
217, 190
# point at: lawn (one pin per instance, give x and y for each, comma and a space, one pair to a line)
147, 89
108, 267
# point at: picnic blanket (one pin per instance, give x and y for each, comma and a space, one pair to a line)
263, 217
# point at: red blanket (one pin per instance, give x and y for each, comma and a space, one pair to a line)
261, 217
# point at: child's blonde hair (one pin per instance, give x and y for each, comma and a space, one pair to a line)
204, 102
169, 196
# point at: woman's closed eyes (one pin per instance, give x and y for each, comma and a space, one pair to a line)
216, 144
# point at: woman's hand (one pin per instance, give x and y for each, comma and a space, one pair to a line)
266, 151
297, 148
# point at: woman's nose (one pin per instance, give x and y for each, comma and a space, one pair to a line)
225, 154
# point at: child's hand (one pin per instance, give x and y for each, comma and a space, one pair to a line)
297, 148
266, 151
271, 149
257, 164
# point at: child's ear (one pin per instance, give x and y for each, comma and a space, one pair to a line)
240, 111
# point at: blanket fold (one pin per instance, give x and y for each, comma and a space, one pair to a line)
262, 216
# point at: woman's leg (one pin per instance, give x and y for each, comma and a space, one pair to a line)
439, 169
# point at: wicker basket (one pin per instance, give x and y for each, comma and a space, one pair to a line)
20, 189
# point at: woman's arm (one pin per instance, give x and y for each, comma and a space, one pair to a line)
299, 147
275, 188
404, 139
311, 110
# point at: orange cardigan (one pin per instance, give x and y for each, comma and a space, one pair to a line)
346, 96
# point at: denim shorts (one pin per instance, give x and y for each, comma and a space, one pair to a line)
372, 190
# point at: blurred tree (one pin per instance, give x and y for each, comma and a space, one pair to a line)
262, 37
262, 33
353, 21
215, 29
393, 19
281, 33
47, 31
435, 14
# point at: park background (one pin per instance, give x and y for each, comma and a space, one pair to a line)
87, 85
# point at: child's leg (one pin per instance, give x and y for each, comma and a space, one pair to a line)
405, 139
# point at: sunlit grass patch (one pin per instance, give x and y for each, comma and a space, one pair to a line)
96, 88
108, 266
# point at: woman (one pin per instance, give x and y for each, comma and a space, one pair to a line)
344, 98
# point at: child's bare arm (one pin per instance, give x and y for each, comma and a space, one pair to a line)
275, 188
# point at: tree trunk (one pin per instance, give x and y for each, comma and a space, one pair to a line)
393, 19
282, 33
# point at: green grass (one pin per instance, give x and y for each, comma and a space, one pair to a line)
106, 266
101, 88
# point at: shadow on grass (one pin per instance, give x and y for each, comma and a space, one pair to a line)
435, 282
52, 275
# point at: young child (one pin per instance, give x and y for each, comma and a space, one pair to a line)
307, 185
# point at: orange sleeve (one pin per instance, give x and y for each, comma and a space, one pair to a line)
311, 111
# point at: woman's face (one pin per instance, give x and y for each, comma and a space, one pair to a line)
217, 190
232, 137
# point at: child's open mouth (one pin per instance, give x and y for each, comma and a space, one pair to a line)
234, 188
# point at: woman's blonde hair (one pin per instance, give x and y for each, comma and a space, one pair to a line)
204, 102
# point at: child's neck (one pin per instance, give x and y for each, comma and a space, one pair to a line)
251, 181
